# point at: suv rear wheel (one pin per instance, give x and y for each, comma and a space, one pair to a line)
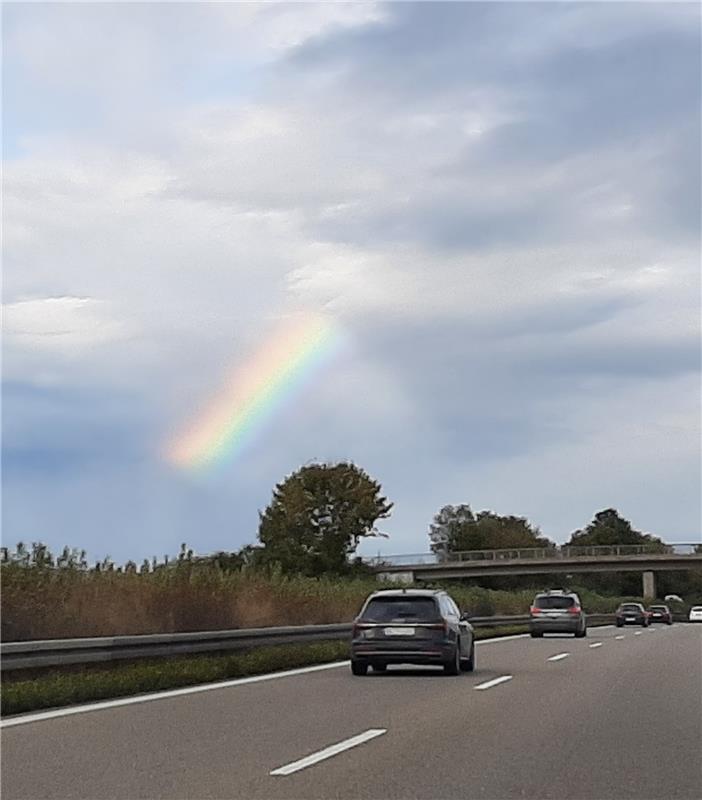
453, 665
468, 664
359, 667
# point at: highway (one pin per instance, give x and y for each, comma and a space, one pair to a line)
613, 716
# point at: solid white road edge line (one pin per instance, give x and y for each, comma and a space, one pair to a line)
145, 698
559, 657
328, 752
493, 682
205, 687
597, 644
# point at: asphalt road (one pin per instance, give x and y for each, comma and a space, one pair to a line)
621, 719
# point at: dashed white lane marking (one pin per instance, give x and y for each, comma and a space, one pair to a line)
638, 633
559, 657
493, 682
328, 752
619, 637
597, 644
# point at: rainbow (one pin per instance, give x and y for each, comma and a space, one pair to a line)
255, 391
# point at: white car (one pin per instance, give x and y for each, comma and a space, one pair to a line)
695, 614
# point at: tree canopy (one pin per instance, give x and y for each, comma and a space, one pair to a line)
317, 517
608, 527
457, 528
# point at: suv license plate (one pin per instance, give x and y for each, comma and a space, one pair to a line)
399, 631
631, 619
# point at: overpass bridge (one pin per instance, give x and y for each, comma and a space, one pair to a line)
647, 559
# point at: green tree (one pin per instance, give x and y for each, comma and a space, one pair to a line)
609, 528
317, 517
41, 555
451, 524
457, 528
233, 561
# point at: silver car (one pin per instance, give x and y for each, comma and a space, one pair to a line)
557, 611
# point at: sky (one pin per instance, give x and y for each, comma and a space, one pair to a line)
494, 207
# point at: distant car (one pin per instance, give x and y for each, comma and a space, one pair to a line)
411, 626
631, 614
695, 614
557, 611
660, 614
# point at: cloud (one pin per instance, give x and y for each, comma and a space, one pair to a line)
59, 324
70, 78
500, 204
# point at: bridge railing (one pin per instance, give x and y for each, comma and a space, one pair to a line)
406, 558
537, 553
615, 550
504, 555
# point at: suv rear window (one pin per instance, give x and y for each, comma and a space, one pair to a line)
391, 609
630, 607
554, 602
659, 608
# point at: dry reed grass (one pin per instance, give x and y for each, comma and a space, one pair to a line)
47, 603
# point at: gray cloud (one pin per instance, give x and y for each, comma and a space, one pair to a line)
500, 204
619, 110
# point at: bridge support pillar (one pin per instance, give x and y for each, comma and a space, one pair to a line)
649, 585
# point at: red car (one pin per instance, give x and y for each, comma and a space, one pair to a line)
660, 614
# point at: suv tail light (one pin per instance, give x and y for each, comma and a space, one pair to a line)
440, 626
534, 610
574, 610
357, 628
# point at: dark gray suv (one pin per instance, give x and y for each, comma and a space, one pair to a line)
411, 626
557, 611
632, 614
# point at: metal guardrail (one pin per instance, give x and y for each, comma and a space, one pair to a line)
538, 554
65, 652
69, 652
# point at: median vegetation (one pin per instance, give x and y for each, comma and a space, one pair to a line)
186, 595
